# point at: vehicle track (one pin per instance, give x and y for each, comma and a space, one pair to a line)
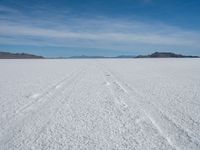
121, 94
66, 95
35, 99
32, 119
176, 136
183, 118
95, 109
189, 134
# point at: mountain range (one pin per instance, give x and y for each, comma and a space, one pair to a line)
8, 55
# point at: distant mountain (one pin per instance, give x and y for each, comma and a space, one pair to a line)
153, 55
165, 55
125, 56
7, 55
120, 56
84, 56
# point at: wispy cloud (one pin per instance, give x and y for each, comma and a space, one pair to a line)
99, 32
5, 9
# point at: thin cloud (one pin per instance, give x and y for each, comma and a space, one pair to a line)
7, 9
77, 31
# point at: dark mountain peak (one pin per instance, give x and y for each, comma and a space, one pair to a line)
165, 55
8, 55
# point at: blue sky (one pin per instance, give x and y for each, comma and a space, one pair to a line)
103, 27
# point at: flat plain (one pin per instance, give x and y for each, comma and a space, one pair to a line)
100, 104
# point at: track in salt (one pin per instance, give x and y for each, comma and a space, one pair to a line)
121, 94
176, 136
74, 81
28, 122
116, 83
38, 98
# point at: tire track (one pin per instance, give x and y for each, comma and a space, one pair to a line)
30, 119
174, 134
183, 118
62, 102
116, 83
36, 99
120, 94
181, 136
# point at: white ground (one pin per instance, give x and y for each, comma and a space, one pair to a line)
100, 104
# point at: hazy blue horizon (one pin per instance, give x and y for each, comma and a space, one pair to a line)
107, 28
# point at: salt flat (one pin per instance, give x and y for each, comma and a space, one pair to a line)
100, 104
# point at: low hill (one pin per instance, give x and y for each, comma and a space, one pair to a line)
85, 56
7, 55
165, 55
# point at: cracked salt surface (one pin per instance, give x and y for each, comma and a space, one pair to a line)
100, 104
